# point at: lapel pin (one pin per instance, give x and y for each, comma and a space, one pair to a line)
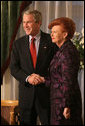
45, 47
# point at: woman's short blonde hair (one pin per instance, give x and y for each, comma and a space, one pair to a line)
67, 24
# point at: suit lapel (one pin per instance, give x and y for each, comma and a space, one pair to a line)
41, 52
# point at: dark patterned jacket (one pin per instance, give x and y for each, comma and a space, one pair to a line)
64, 87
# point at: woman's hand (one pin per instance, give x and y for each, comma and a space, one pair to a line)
66, 113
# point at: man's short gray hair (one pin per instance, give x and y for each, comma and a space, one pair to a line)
36, 14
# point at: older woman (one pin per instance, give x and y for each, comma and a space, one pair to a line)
66, 104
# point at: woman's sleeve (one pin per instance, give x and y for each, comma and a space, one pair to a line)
69, 75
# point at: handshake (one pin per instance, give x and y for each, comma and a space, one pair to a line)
35, 79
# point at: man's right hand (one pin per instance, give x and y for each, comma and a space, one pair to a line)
35, 79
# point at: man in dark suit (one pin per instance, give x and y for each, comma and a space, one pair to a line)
33, 95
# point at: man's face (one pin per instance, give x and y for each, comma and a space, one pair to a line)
29, 25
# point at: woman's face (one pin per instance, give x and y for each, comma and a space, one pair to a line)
58, 35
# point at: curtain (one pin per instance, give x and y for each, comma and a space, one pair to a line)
49, 10
9, 16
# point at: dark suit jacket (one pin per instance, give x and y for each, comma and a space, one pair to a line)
21, 66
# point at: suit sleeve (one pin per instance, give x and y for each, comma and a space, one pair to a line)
15, 68
48, 79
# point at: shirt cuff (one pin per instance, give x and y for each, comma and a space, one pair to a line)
27, 78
